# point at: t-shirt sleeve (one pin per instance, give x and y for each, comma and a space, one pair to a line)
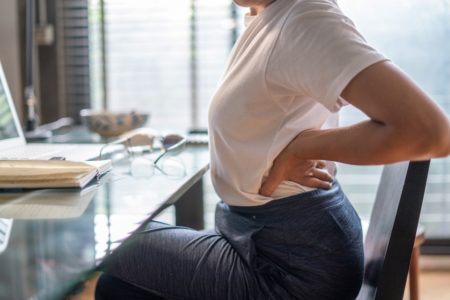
318, 52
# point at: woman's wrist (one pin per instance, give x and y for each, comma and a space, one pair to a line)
302, 144
298, 145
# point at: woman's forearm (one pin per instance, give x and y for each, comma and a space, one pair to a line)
403, 123
368, 142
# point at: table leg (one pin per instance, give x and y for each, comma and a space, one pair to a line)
189, 209
414, 274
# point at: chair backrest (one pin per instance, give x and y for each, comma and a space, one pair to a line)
392, 230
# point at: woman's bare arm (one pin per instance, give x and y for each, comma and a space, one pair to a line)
404, 124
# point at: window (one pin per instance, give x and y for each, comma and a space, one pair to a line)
167, 58
161, 57
415, 35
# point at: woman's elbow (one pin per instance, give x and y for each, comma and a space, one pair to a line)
443, 141
435, 141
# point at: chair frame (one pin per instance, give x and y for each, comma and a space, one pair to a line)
392, 230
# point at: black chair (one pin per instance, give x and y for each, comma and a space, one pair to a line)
392, 230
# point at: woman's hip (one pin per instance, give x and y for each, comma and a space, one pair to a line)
315, 234
311, 223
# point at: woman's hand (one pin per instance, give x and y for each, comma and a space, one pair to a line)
287, 166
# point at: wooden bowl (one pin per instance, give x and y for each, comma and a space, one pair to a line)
111, 124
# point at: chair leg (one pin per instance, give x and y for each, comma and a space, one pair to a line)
414, 274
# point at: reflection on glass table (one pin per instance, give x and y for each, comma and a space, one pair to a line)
144, 151
46, 204
5, 231
58, 236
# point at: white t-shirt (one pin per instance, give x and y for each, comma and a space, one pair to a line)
285, 74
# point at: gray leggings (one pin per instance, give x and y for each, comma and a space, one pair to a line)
307, 246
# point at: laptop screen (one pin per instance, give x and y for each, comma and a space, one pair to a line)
7, 125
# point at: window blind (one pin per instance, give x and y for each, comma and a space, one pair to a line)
415, 35
149, 56
73, 55
147, 51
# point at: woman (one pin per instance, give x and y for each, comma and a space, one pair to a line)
284, 228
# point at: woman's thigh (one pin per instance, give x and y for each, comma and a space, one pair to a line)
112, 288
181, 263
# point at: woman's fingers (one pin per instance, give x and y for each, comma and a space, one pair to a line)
284, 168
276, 176
314, 182
321, 174
316, 178
321, 164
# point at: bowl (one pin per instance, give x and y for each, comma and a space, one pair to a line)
112, 124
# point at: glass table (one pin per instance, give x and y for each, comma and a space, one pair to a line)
50, 239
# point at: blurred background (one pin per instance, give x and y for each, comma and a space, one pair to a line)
166, 57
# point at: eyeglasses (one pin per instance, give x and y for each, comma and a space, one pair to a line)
143, 153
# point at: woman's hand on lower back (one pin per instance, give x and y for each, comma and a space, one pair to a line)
310, 173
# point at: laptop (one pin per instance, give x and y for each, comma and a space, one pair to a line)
14, 146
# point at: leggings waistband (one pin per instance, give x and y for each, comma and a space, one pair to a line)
315, 198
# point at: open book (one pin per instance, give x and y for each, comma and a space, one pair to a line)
50, 173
